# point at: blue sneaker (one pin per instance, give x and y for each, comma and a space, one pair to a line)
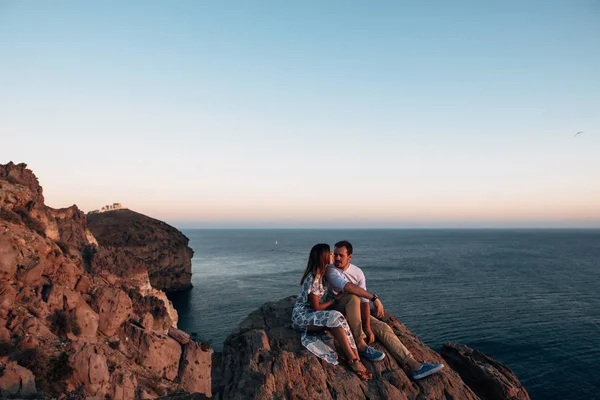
426, 370
371, 354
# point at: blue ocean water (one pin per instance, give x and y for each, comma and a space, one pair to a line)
528, 298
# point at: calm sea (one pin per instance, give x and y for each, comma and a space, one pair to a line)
528, 298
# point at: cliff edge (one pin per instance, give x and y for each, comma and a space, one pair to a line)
135, 239
264, 359
68, 323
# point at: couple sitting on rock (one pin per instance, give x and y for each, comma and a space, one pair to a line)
334, 298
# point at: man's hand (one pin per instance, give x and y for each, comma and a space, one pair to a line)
378, 308
370, 336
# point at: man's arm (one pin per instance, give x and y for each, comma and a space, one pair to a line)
357, 290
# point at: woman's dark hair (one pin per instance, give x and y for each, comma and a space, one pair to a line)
318, 258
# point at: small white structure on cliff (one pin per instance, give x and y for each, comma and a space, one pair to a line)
108, 207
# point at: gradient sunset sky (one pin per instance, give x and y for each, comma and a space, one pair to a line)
310, 113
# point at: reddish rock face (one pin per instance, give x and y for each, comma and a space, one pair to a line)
114, 307
8, 256
264, 359
7, 297
4, 333
135, 239
158, 353
23, 202
69, 314
19, 174
87, 320
84, 284
90, 369
17, 381
123, 386
63, 308
193, 369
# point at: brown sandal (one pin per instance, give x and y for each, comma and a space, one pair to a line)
363, 373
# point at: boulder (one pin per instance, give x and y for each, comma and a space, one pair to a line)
123, 386
7, 297
8, 255
155, 303
28, 342
17, 381
84, 284
24, 202
114, 307
264, 359
489, 378
89, 369
29, 325
147, 321
179, 335
19, 174
195, 368
4, 332
87, 320
62, 298
158, 353
68, 272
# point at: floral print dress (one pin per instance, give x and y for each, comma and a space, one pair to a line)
319, 343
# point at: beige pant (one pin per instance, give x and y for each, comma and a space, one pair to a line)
349, 305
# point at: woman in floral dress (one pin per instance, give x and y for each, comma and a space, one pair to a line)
312, 317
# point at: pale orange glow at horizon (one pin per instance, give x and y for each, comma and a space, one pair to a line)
368, 211
368, 203
261, 124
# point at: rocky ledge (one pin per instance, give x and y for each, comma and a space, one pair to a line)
71, 322
134, 239
264, 359
80, 319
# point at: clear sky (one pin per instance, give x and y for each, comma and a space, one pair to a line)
309, 113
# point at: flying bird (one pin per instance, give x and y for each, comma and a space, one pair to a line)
578, 133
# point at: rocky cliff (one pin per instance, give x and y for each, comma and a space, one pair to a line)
69, 323
134, 239
81, 318
264, 359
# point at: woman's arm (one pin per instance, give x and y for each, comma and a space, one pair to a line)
316, 305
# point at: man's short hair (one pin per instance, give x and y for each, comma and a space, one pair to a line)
346, 244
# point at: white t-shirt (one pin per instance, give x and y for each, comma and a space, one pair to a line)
337, 279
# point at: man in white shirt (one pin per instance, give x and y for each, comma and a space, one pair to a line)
355, 305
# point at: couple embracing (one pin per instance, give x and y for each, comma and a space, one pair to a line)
334, 298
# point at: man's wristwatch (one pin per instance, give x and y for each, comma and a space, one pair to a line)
375, 297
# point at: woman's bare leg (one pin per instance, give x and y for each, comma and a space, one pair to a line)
340, 335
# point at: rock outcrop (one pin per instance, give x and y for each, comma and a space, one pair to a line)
490, 379
134, 239
80, 317
69, 323
17, 381
264, 359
